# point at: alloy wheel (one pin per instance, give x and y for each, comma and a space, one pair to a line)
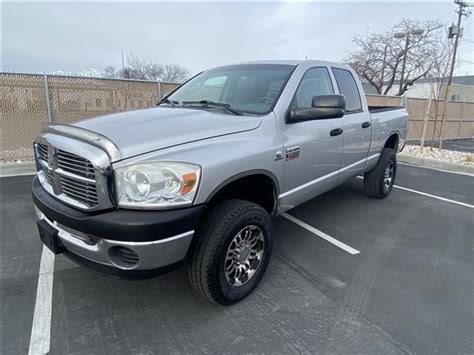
244, 255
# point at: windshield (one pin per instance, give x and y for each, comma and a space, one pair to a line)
251, 88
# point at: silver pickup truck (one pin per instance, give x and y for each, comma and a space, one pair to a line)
197, 179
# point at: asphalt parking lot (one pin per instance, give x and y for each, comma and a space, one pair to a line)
408, 290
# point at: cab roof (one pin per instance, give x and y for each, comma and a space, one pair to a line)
304, 63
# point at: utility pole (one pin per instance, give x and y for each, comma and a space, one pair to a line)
457, 33
123, 62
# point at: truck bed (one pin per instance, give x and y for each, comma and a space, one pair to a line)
375, 109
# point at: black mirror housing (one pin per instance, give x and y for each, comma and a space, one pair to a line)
323, 107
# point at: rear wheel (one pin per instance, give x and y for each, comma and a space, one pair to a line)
379, 181
231, 251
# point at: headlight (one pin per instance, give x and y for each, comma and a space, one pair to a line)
157, 185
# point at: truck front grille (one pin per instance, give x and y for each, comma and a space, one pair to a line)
75, 164
42, 150
48, 175
82, 191
68, 176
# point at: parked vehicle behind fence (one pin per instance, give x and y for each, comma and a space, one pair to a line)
198, 178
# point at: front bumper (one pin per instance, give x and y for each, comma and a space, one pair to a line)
119, 240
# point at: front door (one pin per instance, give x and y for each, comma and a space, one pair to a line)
312, 154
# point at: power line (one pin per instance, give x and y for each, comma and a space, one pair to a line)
456, 33
443, 16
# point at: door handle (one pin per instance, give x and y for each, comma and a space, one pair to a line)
336, 132
366, 124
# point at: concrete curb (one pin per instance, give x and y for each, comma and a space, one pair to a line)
17, 170
436, 164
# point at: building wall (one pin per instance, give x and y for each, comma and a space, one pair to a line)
463, 93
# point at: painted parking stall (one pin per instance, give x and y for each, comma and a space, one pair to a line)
411, 247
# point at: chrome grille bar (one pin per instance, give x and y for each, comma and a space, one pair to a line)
86, 190
75, 164
88, 187
43, 152
86, 199
48, 176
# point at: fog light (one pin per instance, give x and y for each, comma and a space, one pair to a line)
123, 258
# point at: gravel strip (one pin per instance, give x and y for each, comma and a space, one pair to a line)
448, 156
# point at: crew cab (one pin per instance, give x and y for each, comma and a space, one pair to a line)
198, 178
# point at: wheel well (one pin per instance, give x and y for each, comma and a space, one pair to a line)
257, 188
392, 142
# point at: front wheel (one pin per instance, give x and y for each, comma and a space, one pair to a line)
231, 251
379, 181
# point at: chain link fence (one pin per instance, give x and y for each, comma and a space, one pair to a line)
23, 112
30, 101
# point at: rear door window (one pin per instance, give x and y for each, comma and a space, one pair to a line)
348, 87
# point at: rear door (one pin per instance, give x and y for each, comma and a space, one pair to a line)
356, 125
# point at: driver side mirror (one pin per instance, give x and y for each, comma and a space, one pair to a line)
322, 107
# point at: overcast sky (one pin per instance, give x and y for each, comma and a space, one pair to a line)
46, 37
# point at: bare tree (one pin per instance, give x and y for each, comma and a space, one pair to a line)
174, 73
143, 69
379, 58
440, 74
137, 68
110, 72
441, 65
154, 71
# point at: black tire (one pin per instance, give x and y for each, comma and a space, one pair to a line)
375, 182
208, 252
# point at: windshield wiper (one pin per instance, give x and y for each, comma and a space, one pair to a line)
210, 103
168, 101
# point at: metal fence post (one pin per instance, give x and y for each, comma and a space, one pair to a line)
159, 90
48, 99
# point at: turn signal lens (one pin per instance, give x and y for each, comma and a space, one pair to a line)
189, 181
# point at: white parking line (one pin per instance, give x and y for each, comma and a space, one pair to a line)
19, 174
430, 195
41, 329
321, 234
434, 196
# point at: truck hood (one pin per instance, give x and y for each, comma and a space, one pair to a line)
142, 131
